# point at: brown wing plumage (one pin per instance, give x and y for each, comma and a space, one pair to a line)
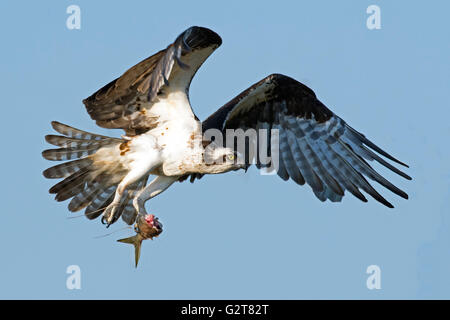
125, 102
110, 104
315, 146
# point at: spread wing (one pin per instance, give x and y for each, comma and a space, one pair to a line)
126, 102
313, 144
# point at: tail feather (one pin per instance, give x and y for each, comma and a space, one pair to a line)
66, 169
69, 181
76, 133
63, 196
70, 186
63, 154
91, 185
100, 202
74, 143
84, 198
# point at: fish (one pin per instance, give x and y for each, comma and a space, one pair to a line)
146, 227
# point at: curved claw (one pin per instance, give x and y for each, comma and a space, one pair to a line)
109, 215
105, 222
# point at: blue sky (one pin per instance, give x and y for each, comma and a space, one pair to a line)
235, 235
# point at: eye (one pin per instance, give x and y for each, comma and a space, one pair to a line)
231, 157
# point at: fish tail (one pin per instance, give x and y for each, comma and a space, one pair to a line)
135, 240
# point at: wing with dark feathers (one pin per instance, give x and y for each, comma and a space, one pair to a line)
315, 146
126, 102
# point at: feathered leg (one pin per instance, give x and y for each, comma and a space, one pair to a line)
158, 185
109, 215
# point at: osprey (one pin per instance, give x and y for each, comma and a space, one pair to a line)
163, 138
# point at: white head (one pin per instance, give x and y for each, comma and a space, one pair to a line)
219, 159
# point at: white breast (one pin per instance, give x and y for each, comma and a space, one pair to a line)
176, 131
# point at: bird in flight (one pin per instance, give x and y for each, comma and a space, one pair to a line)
164, 138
